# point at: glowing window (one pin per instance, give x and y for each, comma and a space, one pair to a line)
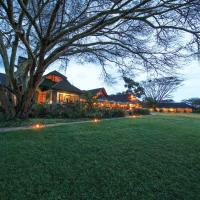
54, 78
41, 97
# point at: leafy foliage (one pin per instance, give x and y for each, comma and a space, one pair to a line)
74, 111
139, 111
133, 87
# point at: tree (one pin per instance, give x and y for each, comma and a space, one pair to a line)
89, 100
146, 34
159, 89
133, 87
194, 102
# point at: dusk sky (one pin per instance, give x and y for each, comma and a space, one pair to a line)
88, 76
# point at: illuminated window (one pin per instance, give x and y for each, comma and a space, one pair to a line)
67, 98
41, 97
171, 110
54, 78
132, 98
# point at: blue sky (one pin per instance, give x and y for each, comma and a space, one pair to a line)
88, 76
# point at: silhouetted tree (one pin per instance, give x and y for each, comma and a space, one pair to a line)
194, 102
133, 87
159, 89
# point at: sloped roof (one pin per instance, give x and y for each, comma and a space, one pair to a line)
56, 73
123, 98
119, 98
173, 105
46, 84
2, 79
65, 85
95, 91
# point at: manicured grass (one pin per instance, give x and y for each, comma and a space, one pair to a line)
31, 121
155, 157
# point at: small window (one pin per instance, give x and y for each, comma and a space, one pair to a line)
41, 97
54, 78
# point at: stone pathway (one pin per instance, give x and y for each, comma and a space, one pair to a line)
53, 125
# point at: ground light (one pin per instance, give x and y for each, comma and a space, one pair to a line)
38, 126
133, 116
96, 120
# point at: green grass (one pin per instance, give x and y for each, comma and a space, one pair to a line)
155, 157
31, 121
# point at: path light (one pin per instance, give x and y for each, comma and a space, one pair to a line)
96, 120
37, 126
133, 116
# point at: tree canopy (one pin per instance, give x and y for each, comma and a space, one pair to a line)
133, 87
159, 89
194, 102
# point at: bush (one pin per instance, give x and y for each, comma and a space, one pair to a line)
1, 116
105, 113
139, 111
118, 113
74, 111
39, 110
197, 110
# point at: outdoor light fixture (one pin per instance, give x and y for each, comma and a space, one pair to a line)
95, 120
133, 116
37, 126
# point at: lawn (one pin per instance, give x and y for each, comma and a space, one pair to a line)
154, 157
28, 122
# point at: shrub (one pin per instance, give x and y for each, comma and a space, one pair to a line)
197, 110
140, 111
105, 113
118, 113
39, 110
74, 111
1, 116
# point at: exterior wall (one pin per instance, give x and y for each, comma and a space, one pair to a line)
171, 110
107, 104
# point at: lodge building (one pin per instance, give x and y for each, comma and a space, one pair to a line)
56, 89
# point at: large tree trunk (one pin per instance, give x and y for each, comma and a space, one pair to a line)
8, 104
25, 103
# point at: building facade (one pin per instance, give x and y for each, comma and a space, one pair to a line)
56, 89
